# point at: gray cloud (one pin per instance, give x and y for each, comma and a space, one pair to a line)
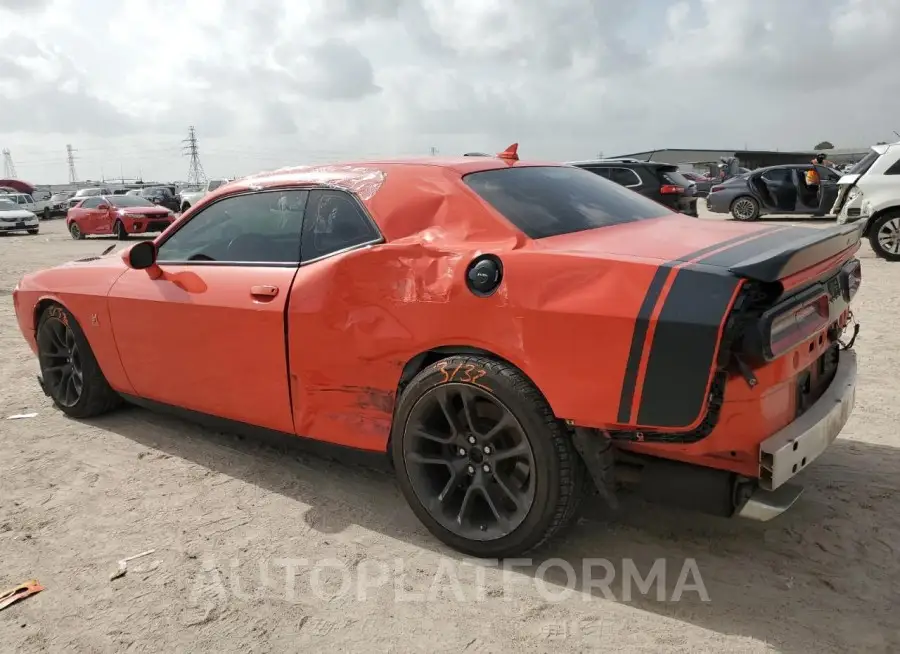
566, 78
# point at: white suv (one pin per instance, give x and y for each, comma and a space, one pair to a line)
870, 191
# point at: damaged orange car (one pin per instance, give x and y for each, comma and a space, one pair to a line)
511, 335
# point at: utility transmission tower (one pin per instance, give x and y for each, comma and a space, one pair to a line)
434, 151
70, 158
9, 168
195, 169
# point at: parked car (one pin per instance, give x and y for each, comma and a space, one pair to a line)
188, 198
702, 183
503, 312
661, 182
122, 215
27, 202
83, 193
870, 191
58, 204
163, 196
13, 218
775, 189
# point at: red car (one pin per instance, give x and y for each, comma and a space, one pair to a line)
122, 215
502, 331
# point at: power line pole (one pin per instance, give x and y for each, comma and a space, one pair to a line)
434, 151
70, 157
9, 168
196, 175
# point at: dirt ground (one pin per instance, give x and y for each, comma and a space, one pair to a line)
264, 549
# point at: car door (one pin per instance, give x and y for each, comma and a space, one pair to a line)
777, 190
828, 184
87, 215
208, 334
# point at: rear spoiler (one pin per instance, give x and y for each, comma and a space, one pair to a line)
798, 253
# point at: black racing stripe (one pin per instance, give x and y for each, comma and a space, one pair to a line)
642, 323
756, 246
731, 241
682, 353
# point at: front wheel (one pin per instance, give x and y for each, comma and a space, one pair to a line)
884, 236
71, 374
121, 232
33, 231
745, 208
482, 460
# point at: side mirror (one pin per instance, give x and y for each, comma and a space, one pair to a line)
103, 207
141, 256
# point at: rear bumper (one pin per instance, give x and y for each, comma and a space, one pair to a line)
793, 448
717, 204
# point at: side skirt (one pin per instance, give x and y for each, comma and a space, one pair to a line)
277, 439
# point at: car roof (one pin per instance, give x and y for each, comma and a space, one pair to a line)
384, 187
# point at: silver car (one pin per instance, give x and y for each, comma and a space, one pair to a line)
15, 219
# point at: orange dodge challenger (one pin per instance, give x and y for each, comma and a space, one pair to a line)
510, 335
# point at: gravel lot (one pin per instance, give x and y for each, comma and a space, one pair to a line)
269, 550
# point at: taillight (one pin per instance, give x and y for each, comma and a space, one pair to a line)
851, 278
670, 189
716, 189
789, 327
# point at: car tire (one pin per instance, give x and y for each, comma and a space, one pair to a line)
75, 231
884, 236
121, 232
46, 213
524, 461
745, 208
71, 375
33, 231
185, 207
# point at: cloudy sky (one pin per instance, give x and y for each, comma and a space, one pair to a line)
274, 82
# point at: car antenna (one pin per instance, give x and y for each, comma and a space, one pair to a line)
108, 250
511, 153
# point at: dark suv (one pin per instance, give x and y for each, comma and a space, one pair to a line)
657, 181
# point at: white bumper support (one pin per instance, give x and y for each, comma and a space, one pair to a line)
793, 448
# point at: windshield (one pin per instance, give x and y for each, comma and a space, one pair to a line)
130, 201
863, 165
674, 176
545, 201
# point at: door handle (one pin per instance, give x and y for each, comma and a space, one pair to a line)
264, 291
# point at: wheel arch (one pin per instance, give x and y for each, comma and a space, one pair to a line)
893, 209
422, 360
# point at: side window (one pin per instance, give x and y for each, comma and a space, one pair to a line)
91, 203
826, 174
894, 169
624, 176
29, 199
599, 170
20, 199
778, 175
262, 227
335, 221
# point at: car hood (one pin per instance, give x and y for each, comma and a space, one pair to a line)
19, 214
148, 208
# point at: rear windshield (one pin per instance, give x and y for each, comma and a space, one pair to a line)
545, 201
863, 165
675, 177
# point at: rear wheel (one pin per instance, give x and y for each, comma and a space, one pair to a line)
121, 232
71, 374
46, 213
884, 236
745, 208
482, 460
75, 231
33, 231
